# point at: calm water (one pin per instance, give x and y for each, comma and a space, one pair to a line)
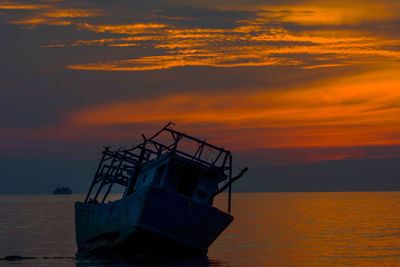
270, 229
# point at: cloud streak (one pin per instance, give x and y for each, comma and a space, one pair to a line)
260, 38
351, 111
249, 76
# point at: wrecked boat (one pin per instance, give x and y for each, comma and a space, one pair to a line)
169, 182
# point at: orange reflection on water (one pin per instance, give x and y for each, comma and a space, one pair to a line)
311, 229
269, 229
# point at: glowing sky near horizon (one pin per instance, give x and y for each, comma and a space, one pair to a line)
247, 75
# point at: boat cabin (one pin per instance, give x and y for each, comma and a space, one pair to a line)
169, 159
184, 177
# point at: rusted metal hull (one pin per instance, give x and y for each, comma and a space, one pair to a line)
153, 220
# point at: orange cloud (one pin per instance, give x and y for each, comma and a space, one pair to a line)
236, 47
12, 5
50, 13
72, 13
170, 61
256, 41
361, 110
330, 13
245, 45
314, 12
322, 66
122, 29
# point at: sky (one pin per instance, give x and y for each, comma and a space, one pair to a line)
279, 83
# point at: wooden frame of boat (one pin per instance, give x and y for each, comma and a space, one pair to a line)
169, 181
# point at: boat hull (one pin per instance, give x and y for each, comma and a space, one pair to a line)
153, 220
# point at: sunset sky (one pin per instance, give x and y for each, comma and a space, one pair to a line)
281, 82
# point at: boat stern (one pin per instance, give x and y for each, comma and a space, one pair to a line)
179, 218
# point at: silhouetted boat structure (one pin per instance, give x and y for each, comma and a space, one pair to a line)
62, 191
168, 195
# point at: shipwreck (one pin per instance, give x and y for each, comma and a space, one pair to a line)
169, 182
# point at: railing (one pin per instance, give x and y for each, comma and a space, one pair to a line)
120, 166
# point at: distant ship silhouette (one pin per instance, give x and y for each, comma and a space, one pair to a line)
62, 191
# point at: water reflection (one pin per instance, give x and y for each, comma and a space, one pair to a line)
84, 260
320, 228
270, 229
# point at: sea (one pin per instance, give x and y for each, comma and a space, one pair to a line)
269, 229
